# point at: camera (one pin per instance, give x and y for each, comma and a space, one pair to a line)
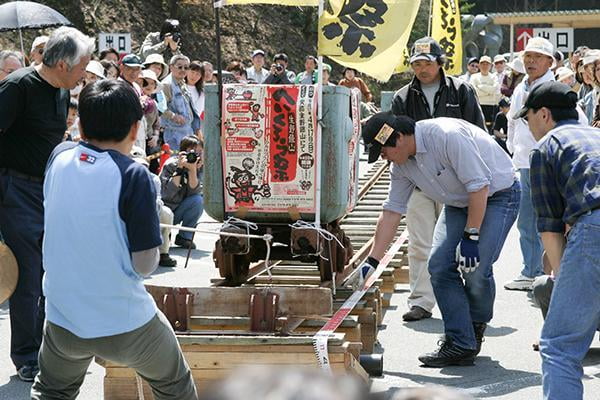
278, 67
191, 157
176, 36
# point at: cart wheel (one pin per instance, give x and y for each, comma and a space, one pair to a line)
234, 268
324, 264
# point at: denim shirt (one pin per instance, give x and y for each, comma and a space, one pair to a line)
179, 103
453, 158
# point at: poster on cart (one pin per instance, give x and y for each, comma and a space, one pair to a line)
269, 148
353, 149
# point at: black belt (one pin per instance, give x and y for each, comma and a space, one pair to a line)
20, 175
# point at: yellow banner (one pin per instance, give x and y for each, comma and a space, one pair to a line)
221, 3
446, 29
403, 64
367, 35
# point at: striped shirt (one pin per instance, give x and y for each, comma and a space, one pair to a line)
565, 175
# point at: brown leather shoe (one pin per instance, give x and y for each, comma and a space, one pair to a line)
416, 313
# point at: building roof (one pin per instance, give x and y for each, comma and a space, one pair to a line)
564, 18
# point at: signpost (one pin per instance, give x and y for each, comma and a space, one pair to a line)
118, 41
561, 38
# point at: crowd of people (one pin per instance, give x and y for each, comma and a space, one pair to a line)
470, 155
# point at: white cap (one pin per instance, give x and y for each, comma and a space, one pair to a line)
499, 58
541, 46
39, 41
95, 68
517, 65
591, 56
149, 74
486, 59
563, 73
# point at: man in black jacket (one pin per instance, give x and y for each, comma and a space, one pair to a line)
430, 94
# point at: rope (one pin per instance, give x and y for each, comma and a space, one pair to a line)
266, 236
325, 234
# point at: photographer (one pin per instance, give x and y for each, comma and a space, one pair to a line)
278, 75
167, 42
180, 179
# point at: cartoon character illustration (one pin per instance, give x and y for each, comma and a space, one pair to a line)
255, 111
239, 185
247, 95
257, 133
230, 93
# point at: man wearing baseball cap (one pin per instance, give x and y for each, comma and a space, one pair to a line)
430, 94
565, 191
457, 164
538, 60
488, 90
256, 72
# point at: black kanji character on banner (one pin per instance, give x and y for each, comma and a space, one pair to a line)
359, 17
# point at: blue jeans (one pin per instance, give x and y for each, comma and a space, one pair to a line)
22, 222
188, 212
531, 244
574, 312
470, 298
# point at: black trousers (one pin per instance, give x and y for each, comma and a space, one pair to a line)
22, 225
489, 113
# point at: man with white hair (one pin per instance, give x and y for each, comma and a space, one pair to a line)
34, 103
10, 61
538, 60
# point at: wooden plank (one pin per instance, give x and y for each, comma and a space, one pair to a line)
222, 301
253, 340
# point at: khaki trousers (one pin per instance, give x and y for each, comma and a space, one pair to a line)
152, 350
421, 217
166, 217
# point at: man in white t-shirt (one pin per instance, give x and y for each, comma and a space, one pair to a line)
256, 73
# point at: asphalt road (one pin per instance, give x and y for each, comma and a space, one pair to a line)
507, 368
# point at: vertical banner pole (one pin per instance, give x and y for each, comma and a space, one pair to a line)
319, 146
430, 17
217, 6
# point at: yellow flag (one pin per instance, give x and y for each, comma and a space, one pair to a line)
403, 64
221, 3
368, 35
446, 29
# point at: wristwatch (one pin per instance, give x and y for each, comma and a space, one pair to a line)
471, 234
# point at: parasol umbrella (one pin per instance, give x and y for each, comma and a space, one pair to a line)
19, 15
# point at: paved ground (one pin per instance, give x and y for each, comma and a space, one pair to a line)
506, 369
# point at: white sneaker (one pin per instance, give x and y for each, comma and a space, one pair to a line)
521, 282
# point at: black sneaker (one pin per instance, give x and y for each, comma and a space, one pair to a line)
28, 372
479, 328
183, 242
448, 354
167, 261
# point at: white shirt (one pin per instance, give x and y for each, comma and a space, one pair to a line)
259, 77
487, 88
520, 141
197, 100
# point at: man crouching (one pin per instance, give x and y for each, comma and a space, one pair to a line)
101, 238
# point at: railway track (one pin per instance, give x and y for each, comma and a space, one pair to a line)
273, 317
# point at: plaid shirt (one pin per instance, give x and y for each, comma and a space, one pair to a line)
565, 175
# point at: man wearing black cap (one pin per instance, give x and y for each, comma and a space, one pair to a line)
565, 190
459, 165
430, 94
472, 69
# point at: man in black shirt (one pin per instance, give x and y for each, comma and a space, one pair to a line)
33, 113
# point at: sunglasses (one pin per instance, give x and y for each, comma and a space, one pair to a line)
181, 67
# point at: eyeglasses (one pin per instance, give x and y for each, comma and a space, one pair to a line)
182, 67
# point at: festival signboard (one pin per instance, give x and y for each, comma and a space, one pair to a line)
269, 148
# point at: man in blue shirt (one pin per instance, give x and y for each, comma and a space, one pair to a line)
459, 165
565, 190
101, 237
